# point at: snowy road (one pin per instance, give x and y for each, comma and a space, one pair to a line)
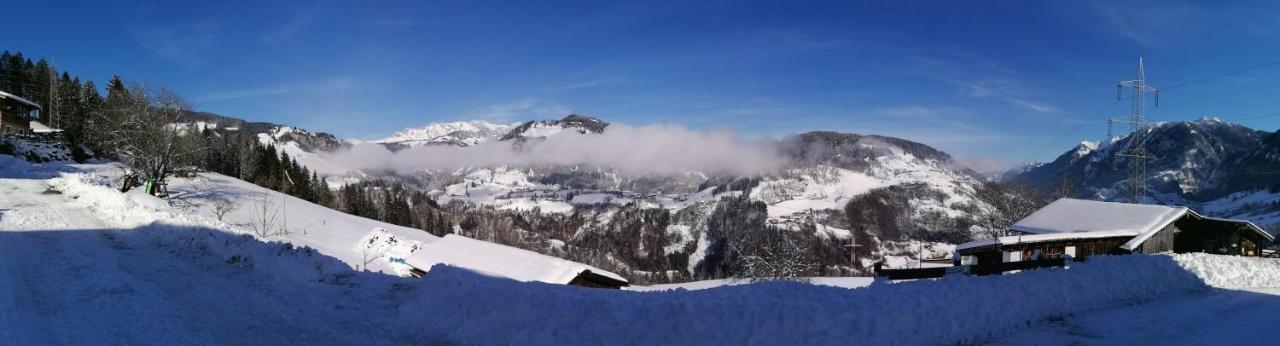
66, 278
1219, 317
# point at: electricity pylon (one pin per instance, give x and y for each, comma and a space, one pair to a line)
1135, 150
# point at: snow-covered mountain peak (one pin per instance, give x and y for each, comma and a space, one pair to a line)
581, 124
460, 133
1085, 148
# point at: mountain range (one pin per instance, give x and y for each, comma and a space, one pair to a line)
1221, 168
895, 199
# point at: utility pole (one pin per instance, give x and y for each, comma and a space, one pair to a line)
1135, 149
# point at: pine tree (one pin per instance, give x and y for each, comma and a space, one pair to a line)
42, 91
68, 99
4, 72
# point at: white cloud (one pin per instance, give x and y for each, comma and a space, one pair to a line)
588, 84
303, 87
979, 77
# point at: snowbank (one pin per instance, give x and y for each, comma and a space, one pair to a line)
1232, 272
951, 310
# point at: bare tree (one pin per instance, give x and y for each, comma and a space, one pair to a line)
144, 133
267, 220
1009, 202
222, 207
773, 256
376, 247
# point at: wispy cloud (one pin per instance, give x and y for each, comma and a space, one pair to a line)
1151, 23
1003, 89
290, 27
979, 77
388, 22
528, 108
187, 44
587, 84
299, 87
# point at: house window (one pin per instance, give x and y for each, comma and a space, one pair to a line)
1012, 256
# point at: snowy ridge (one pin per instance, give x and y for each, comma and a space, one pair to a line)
460, 133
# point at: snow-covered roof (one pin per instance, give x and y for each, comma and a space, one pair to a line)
500, 260
1069, 215
39, 127
1036, 238
1137, 241
1069, 218
5, 95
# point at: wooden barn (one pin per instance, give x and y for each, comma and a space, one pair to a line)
505, 261
1080, 228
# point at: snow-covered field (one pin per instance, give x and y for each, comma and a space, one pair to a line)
81, 263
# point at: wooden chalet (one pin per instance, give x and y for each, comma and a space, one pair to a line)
1081, 228
505, 261
17, 114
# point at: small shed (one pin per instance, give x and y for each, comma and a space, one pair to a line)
510, 262
1080, 228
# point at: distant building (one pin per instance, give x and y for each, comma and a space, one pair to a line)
16, 114
510, 262
1081, 228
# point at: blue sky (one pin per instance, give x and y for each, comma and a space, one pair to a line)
993, 82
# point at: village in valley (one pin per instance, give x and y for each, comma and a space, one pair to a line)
762, 173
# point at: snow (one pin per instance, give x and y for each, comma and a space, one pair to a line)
1243, 304
84, 263
542, 130
328, 231
1077, 215
1033, 238
331, 232
39, 127
543, 205
461, 133
842, 282
74, 271
1069, 218
1219, 317
947, 311
500, 260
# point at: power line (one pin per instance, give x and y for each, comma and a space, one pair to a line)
1175, 86
1268, 115
1073, 130
1223, 75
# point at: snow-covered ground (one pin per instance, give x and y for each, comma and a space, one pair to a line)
1244, 303
842, 282
70, 274
332, 233
81, 263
